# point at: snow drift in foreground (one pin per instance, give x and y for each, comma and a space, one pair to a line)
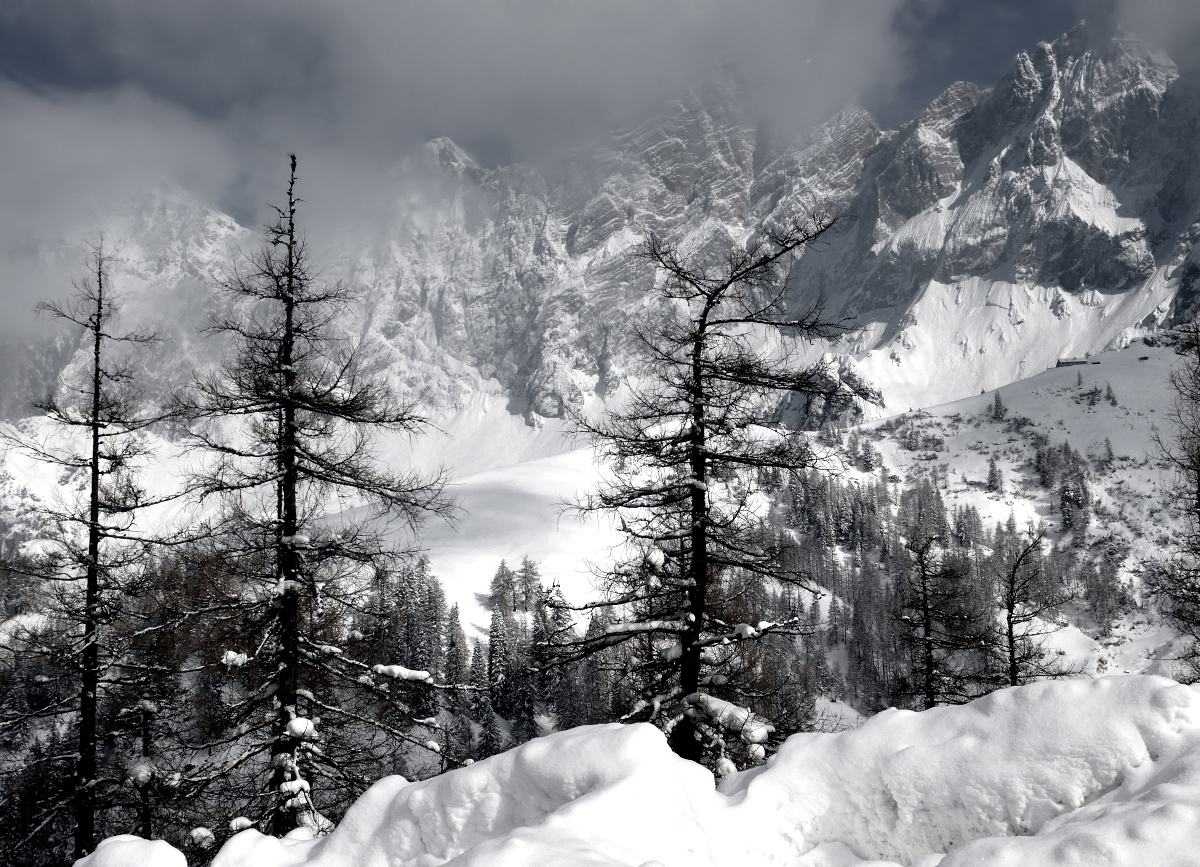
1092, 772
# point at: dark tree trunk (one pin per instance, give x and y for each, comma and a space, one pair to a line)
287, 553
1010, 607
145, 806
683, 737
928, 640
85, 805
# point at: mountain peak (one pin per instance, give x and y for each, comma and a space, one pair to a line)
453, 159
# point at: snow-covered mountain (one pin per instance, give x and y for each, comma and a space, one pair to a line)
1054, 214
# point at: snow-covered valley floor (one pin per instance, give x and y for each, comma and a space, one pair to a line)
517, 511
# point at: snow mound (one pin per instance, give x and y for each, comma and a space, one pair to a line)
126, 850
1102, 771
597, 795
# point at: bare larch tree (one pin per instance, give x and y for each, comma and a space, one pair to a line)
1175, 580
89, 545
289, 425
685, 451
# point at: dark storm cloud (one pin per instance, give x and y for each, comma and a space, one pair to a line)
376, 77
943, 41
99, 98
367, 80
946, 40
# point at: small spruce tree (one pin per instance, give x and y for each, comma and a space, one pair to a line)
995, 478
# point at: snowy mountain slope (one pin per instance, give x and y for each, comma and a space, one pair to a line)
1132, 522
1005, 226
1052, 215
1000, 227
1086, 772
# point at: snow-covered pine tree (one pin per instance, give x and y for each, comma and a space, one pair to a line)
869, 456
458, 653
479, 697
527, 585
995, 478
457, 702
503, 590
499, 662
1074, 501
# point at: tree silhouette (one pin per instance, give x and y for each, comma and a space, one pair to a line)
286, 428
685, 452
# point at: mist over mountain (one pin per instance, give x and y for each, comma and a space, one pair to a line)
1054, 214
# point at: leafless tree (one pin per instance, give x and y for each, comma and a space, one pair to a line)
90, 545
685, 451
287, 429
1175, 580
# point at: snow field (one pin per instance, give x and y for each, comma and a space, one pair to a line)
518, 510
1083, 772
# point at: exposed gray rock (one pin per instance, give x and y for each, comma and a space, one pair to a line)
1046, 216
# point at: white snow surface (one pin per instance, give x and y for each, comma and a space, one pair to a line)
126, 850
1103, 771
518, 510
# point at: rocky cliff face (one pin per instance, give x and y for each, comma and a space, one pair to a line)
1054, 214
1002, 228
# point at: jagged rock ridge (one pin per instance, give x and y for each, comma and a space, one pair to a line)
1054, 214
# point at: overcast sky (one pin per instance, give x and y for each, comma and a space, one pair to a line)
100, 97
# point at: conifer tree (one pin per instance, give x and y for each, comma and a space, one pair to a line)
458, 654
995, 478
686, 449
479, 697
502, 594
938, 626
941, 623
90, 550
1028, 600
528, 584
499, 662
285, 429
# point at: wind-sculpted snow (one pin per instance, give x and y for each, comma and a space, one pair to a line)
1092, 766
1093, 772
